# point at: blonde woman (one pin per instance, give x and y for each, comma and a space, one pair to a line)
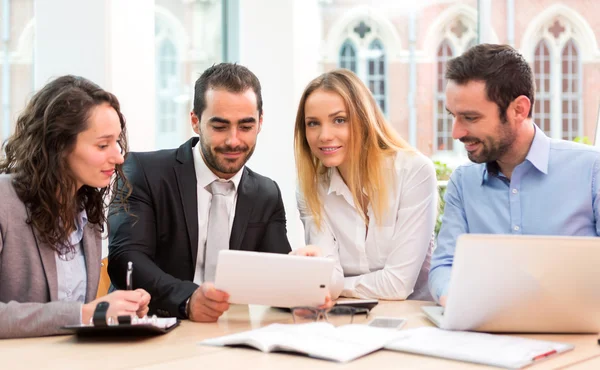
366, 198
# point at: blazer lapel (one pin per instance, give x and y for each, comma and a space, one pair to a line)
243, 210
187, 184
92, 250
47, 256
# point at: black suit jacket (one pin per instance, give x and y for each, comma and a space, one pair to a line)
159, 233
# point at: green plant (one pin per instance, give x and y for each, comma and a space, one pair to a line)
442, 172
583, 140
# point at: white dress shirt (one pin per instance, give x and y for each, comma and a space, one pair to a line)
391, 260
204, 177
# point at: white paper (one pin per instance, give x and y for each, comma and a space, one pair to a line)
489, 349
319, 340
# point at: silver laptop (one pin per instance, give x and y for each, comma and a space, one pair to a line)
523, 284
279, 280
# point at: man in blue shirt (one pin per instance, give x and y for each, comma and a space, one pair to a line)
521, 181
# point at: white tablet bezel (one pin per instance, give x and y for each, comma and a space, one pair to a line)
271, 279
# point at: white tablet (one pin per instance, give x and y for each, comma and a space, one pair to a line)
279, 280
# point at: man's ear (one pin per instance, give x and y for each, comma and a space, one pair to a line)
260, 122
195, 122
520, 108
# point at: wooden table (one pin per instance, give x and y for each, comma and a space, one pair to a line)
180, 350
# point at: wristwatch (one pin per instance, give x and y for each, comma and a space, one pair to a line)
184, 308
99, 318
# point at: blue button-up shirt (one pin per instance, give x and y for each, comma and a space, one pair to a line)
553, 192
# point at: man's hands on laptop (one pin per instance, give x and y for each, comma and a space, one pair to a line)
207, 303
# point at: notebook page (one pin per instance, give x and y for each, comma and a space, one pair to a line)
265, 339
343, 344
159, 322
319, 340
489, 349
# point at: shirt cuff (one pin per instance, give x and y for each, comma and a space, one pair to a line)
350, 287
81, 315
439, 283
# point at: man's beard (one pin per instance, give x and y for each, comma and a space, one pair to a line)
213, 161
492, 149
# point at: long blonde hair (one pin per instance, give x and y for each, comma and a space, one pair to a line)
372, 141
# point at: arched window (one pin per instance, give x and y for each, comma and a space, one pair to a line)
363, 51
570, 91
542, 67
458, 33
348, 56
376, 73
559, 77
443, 120
167, 78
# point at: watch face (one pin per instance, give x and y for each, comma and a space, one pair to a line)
99, 316
102, 305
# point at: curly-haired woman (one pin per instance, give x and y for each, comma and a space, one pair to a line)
58, 168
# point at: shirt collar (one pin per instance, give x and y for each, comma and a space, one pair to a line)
336, 182
81, 221
204, 176
538, 155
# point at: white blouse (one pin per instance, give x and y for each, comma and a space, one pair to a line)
391, 260
71, 271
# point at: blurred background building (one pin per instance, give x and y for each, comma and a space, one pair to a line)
150, 52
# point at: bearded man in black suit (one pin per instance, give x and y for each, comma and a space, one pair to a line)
189, 203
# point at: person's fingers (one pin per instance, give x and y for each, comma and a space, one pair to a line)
443, 301
124, 306
203, 304
145, 296
127, 295
206, 313
328, 302
142, 312
308, 251
217, 306
213, 294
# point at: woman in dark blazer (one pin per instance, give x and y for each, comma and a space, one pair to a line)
58, 167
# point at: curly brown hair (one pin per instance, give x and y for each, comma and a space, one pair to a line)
36, 157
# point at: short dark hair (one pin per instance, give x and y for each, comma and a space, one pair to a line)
229, 76
505, 72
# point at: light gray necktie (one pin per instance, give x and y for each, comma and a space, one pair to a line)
217, 238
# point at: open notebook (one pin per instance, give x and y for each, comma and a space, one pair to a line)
320, 340
488, 349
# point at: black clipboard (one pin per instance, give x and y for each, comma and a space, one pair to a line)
119, 330
124, 326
